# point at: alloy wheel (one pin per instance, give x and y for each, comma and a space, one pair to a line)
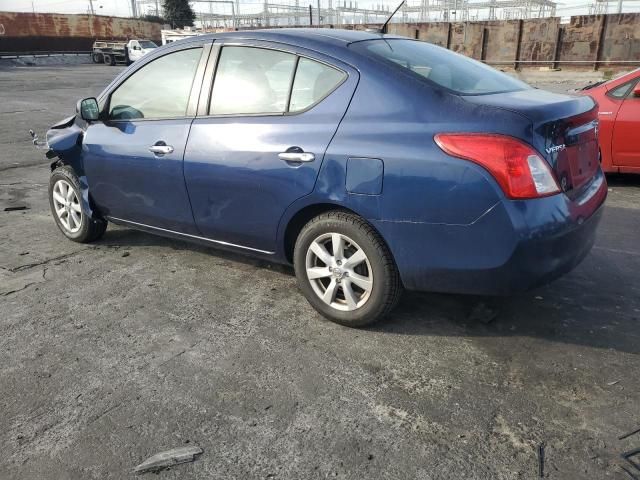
339, 271
67, 206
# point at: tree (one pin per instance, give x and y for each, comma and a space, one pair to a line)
153, 18
178, 13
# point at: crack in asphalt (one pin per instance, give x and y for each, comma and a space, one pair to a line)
22, 183
6, 294
44, 262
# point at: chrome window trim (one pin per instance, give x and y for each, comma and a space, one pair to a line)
206, 112
187, 115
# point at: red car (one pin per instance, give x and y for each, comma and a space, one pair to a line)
619, 115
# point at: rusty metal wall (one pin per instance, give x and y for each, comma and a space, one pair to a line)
621, 39
21, 32
539, 37
581, 37
587, 38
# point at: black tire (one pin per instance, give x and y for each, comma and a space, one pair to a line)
97, 58
386, 285
90, 229
109, 59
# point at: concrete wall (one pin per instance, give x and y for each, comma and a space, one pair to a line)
21, 32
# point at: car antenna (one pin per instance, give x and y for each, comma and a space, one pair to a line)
386, 24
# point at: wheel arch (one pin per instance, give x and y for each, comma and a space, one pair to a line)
299, 219
87, 203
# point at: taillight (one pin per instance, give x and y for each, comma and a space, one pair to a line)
516, 166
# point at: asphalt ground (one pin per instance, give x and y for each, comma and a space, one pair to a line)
136, 344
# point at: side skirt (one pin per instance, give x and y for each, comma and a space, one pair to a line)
185, 236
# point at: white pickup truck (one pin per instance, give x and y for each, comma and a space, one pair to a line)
120, 52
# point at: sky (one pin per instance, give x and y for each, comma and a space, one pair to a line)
123, 7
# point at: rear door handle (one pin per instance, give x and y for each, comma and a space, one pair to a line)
605, 113
161, 148
297, 156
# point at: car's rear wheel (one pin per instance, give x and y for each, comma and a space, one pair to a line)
97, 58
64, 199
345, 270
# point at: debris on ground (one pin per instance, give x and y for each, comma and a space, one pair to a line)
628, 456
126, 254
627, 435
541, 460
15, 209
168, 458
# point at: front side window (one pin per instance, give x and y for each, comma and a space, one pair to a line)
252, 80
160, 89
147, 44
622, 90
312, 83
438, 65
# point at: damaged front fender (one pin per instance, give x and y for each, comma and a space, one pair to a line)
64, 140
64, 136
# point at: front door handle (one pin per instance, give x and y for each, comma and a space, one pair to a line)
161, 148
295, 155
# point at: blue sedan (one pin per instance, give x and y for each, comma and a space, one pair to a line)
372, 163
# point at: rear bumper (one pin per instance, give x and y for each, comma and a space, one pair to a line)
515, 246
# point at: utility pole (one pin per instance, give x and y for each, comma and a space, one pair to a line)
157, 9
91, 7
619, 7
134, 10
319, 16
310, 15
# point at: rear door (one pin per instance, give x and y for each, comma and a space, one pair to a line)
133, 159
625, 147
260, 137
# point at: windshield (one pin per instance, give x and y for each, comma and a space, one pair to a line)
443, 67
147, 44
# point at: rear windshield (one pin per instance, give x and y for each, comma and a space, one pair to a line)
445, 68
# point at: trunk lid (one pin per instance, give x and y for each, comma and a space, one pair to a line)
564, 130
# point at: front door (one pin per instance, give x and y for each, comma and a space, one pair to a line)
625, 147
261, 141
134, 158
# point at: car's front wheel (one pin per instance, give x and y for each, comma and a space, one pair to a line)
64, 199
345, 270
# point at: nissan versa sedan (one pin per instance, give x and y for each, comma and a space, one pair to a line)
372, 163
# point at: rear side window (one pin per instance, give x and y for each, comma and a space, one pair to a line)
438, 65
259, 81
252, 80
160, 89
622, 90
313, 82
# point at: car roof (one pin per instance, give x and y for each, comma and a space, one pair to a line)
320, 39
331, 35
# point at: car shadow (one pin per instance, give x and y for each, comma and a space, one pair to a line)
596, 305
623, 180
122, 237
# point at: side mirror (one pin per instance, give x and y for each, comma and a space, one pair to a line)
88, 109
136, 47
636, 90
